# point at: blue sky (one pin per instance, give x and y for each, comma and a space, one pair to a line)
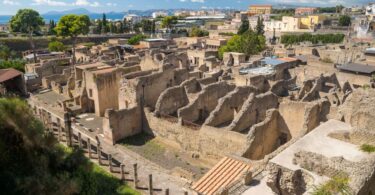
11, 6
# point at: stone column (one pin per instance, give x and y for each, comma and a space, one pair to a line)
89, 147
122, 166
150, 183
110, 162
135, 176
167, 191
68, 129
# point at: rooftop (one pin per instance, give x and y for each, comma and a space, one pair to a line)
7, 74
225, 172
357, 68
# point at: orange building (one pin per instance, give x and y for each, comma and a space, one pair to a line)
260, 9
305, 10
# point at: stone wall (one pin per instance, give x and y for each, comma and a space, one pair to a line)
171, 100
119, 124
229, 106
253, 111
208, 141
207, 100
264, 137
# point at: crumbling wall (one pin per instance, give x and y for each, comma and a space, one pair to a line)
281, 88
171, 100
264, 137
253, 111
207, 100
228, 106
119, 124
149, 87
208, 142
360, 174
287, 182
302, 117
260, 82
192, 86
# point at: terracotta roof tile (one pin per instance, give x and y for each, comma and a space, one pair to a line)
10, 73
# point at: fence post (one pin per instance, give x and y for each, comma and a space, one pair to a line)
99, 154
89, 147
135, 176
167, 191
68, 129
150, 183
122, 166
79, 140
185, 193
110, 162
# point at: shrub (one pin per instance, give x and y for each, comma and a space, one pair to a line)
291, 39
368, 148
327, 60
197, 32
56, 46
136, 39
337, 185
17, 64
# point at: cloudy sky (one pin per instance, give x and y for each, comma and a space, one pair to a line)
11, 6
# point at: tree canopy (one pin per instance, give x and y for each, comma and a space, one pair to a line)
26, 21
56, 46
169, 21
73, 25
345, 20
291, 39
249, 43
244, 27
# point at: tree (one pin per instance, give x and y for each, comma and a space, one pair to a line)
249, 43
72, 26
345, 20
168, 22
260, 26
51, 27
27, 21
244, 27
33, 162
56, 46
104, 24
146, 25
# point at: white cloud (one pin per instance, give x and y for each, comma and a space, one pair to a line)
331, 2
61, 3
111, 4
86, 3
49, 2
194, 1
10, 2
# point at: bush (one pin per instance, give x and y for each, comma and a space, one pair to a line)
17, 64
327, 60
136, 39
197, 32
368, 148
292, 39
337, 185
56, 46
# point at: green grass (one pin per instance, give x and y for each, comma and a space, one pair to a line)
145, 144
337, 185
110, 184
368, 148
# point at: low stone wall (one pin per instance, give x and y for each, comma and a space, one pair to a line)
119, 124
208, 141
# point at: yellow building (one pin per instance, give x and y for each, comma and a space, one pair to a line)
309, 22
260, 9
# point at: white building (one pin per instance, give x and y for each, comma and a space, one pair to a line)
133, 18
159, 14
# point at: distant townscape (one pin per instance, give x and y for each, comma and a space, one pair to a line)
259, 101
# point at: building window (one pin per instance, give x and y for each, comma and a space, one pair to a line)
90, 92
